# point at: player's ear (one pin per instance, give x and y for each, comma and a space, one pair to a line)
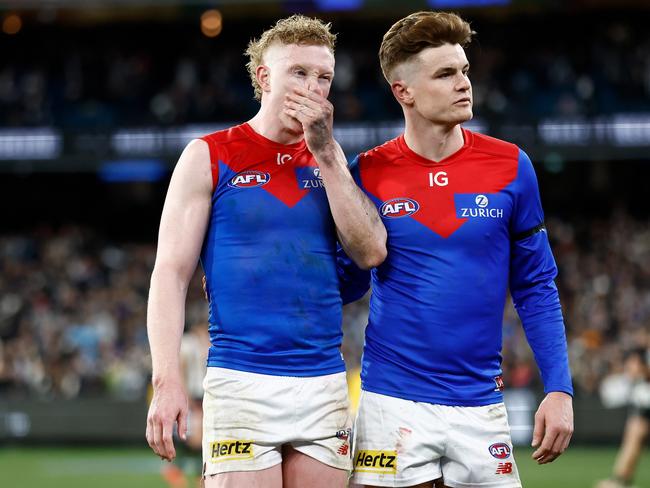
263, 76
401, 92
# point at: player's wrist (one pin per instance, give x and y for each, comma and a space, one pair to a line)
326, 153
560, 394
160, 381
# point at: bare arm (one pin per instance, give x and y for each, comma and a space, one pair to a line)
358, 225
182, 228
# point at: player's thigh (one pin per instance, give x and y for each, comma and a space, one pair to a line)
300, 470
479, 452
265, 478
243, 422
637, 428
249, 417
398, 443
323, 424
427, 484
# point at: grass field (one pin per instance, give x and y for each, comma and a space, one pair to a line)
137, 468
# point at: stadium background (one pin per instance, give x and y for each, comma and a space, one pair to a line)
97, 99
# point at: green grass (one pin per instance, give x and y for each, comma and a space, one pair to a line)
118, 467
578, 467
79, 468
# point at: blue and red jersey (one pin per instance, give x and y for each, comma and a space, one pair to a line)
269, 257
461, 231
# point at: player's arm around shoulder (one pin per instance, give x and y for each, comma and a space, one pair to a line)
182, 228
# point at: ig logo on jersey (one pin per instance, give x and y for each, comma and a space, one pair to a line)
399, 207
249, 179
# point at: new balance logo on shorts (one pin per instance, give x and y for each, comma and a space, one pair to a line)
504, 468
376, 462
344, 435
228, 450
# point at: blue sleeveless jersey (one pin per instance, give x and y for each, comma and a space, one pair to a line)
460, 233
269, 257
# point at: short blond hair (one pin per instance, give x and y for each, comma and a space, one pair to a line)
296, 29
418, 31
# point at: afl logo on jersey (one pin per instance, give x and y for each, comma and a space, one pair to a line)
399, 207
500, 450
249, 179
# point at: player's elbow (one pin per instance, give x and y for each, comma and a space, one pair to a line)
165, 271
373, 257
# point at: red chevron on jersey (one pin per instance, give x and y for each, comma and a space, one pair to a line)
283, 182
392, 172
241, 149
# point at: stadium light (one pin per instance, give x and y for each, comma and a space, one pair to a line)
30, 143
12, 24
211, 23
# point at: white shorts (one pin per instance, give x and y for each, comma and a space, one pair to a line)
402, 443
248, 417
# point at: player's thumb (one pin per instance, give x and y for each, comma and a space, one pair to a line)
538, 430
182, 424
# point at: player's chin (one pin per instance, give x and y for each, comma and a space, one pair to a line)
463, 114
458, 115
291, 124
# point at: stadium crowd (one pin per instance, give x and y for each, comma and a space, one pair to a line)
73, 309
73, 314
169, 74
73, 304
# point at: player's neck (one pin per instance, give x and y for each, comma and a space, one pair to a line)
268, 124
432, 141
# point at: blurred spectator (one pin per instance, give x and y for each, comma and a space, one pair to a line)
73, 309
636, 392
143, 74
73, 314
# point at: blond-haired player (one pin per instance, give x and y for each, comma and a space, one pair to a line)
262, 204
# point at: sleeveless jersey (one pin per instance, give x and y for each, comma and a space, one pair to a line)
269, 257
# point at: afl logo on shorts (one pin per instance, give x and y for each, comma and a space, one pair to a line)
399, 207
249, 179
500, 450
